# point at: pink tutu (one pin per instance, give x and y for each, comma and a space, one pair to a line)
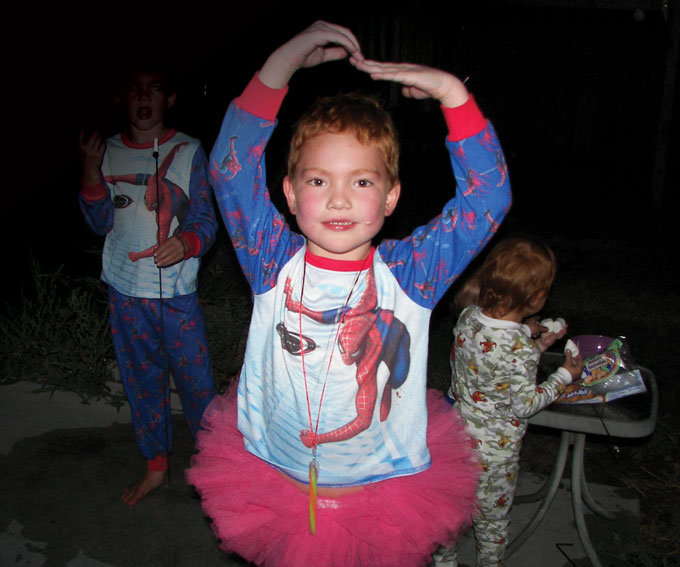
262, 517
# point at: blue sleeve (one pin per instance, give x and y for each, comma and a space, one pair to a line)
200, 218
428, 262
261, 237
98, 214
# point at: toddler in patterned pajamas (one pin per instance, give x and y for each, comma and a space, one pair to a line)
494, 363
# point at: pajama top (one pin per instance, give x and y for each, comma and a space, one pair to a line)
494, 377
344, 343
124, 207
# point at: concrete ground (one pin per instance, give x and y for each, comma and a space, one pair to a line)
63, 464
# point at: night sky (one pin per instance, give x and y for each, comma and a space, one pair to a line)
574, 93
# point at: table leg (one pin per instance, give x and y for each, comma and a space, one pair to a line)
588, 499
577, 498
547, 492
534, 496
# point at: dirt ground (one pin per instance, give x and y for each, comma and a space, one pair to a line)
60, 493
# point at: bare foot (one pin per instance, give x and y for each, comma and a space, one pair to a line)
150, 481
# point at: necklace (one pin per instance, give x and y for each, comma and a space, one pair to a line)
313, 468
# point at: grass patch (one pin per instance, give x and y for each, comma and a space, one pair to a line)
58, 336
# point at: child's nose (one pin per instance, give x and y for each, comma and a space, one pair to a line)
338, 199
143, 93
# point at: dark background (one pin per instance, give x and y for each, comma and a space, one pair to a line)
575, 90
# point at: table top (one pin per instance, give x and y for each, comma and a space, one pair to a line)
633, 416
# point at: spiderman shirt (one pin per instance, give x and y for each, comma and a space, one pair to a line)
129, 220
340, 347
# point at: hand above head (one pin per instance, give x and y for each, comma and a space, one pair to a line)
319, 43
418, 81
171, 251
91, 156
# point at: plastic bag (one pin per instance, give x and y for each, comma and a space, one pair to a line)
608, 372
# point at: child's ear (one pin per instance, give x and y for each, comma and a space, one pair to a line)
392, 198
538, 301
289, 192
171, 101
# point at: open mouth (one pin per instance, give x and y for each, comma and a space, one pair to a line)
143, 113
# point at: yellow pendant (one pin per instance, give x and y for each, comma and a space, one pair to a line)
313, 475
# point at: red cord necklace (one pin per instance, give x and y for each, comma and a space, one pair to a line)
314, 427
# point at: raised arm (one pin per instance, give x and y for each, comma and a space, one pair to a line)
95, 203
418, 81
440, 250
319, 43
261, 237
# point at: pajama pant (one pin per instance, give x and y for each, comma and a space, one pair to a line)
137, 331
498, 444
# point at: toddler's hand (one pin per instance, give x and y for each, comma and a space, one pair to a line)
535, 326
574, 365
546, 340
418, 81
319, 43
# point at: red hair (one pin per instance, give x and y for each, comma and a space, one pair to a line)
514, 275
359, 114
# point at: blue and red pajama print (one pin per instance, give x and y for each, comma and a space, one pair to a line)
137, 330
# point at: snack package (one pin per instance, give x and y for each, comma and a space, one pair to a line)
607, 375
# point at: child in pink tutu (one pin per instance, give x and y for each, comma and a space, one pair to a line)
331, 451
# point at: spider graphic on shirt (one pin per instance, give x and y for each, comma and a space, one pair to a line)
368, 335
162, 195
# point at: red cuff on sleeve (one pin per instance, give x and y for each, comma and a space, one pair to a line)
260, 100
194, 244
464, 121
93, 193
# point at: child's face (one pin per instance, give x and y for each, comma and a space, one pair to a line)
144, 100
340, 195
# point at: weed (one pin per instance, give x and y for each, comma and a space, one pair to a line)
58, 336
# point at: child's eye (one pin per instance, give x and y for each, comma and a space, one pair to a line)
365, 183
315, 182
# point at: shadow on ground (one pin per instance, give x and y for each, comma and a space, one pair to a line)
60, 505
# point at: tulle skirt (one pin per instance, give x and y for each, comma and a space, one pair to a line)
264, 518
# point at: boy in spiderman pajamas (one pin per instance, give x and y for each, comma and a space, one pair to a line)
147, 191
335, 370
